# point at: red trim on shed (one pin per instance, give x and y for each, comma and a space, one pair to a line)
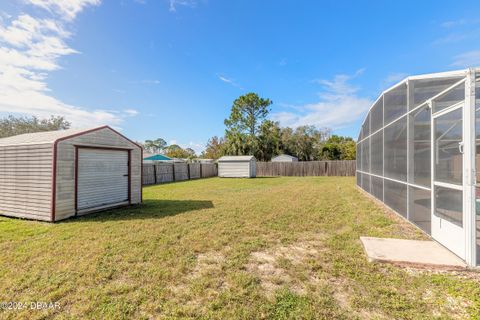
76, 179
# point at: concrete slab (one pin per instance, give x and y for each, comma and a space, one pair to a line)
411, 252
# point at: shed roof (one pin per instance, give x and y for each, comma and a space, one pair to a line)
40, 137
285, 156
46, 137
158, 157
236, 158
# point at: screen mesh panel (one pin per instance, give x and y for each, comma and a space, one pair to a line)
395, 103
420, 166
396, 196
427, 88
377, 187
359, 156
366, 155
448, 136
449, 205
450, 98
395, 162
366, 182
420, 212
366, 126
376, 116
376, 146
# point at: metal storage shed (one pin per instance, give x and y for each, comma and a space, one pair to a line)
284, 158
237, 167
55, 175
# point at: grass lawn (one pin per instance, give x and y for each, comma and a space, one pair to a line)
276, 248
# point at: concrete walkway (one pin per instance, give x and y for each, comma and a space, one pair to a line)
411, 252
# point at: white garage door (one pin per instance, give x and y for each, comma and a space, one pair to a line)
102, 178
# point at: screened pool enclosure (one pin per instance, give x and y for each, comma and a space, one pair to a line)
418, 150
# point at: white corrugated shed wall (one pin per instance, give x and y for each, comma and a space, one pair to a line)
26, 181
234, 169
65, 194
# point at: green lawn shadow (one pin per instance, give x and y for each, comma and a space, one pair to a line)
149, 209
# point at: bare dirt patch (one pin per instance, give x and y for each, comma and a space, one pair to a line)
288, 266
208, 265
456, 307
281, 266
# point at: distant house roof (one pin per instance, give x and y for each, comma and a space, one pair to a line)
284, 157
158, 157
236, 158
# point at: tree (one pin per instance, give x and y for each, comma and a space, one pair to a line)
190, 152
11, 126
237, 143
215, 148
246, 116
155, 146
248, 112
175, 151
339, 148
269, 141
305, 142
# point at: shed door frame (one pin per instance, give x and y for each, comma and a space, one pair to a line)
129, 151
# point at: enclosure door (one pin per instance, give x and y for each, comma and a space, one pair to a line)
447, 192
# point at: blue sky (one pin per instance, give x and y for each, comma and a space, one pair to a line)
171, 68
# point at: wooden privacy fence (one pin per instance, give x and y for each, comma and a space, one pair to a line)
169, 172
307, 168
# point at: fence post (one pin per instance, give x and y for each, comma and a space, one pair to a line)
173, 171
188, 171
155, 173
201, 171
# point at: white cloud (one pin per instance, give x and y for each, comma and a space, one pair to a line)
467, 59
459, 22
339, 105
185, 3
150, 81
30, 48
229, 81
452, 38
65, 9
224, 79
393, 78
198, 147
131, 112
145, 81
458, 31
